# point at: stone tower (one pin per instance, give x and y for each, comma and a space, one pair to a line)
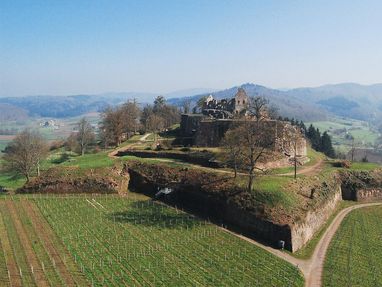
241, 101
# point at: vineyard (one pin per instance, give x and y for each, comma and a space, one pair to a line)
137, 242
31, 254
114, 241
353, 257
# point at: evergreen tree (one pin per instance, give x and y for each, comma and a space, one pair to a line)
302, 126
326, 145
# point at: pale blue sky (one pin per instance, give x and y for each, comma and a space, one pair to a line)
71, 47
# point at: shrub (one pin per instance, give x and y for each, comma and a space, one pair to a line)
185, 149
56, 145
342, 164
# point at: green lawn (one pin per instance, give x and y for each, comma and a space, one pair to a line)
366, 166
136, 241
353, 257
271, 191
88, 161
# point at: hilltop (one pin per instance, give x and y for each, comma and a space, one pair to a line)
313, 104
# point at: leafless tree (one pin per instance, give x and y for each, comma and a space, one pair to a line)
131, 113
85, 135
112, 125
257, 141
155, 124
233, 148
71, 143
186, 105
200, 103
24, 154
258, 108
352, 150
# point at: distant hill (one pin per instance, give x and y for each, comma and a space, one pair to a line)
12, 113
363, 102
310, 104
69, 106
288, 105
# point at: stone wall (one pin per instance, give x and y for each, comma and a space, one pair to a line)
212, 204
304, 231
365, 195
189, 124
225, 207
70, 180
211, 132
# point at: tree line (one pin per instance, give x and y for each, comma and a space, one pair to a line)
24, 154
119, 123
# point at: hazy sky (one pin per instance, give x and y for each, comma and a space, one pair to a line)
71, 47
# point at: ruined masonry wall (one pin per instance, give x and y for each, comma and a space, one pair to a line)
314, 220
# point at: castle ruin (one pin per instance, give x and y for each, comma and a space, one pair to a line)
217, 116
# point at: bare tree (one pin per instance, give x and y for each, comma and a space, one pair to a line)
353, 149
186, 105
155, 124
85, 135
131, 115
25, 153
257, 141
112, 125
200, 103
71, 143
258, 108
233, 147
146, 113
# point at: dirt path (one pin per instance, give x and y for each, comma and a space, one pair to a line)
313, 267
31, 257
46, 236
307, 170
13, 270
113, 153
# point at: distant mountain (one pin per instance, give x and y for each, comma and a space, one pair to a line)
58, 107
357, 101
309, 104
188, 93
288, 105
75, 105
12, 113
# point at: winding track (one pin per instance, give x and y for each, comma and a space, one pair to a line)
114, 152
312, 268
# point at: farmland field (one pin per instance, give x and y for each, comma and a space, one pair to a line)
339, 128
354, 257
114, 241
31, 254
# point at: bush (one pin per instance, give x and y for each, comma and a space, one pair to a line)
342, 164
96, 149
158, 147
185, 149
56, 145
